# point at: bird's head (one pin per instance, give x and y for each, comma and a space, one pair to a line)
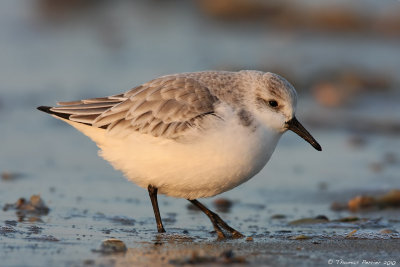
273, 102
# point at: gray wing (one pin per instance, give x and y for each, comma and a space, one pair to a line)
166, 106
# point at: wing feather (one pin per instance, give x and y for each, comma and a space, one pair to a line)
83, 118
107, 104
103, 121
81, 111
167, 106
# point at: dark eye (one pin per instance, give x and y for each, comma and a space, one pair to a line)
272, 103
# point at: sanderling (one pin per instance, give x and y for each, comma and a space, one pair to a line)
190, 135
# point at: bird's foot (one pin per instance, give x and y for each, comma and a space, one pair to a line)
234, 234
237, 235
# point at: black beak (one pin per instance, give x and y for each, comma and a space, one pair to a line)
295, 126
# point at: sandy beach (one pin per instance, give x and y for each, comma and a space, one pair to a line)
305, 208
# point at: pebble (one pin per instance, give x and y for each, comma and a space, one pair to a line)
112, 245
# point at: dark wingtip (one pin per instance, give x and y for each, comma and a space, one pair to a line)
45, 109
49, 111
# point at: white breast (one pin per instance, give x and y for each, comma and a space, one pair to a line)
205, 164
212, 162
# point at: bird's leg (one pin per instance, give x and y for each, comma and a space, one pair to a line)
153, 197
210, 215
217, 221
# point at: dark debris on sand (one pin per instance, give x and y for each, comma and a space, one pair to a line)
32, 208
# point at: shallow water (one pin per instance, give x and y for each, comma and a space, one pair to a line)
43, 62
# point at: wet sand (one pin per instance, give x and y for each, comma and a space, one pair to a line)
89, 203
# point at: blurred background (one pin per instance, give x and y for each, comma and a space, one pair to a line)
337, 52
343, 57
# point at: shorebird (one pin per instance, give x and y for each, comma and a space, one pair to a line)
190, 135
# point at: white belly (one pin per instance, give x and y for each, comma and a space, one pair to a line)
218, 161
